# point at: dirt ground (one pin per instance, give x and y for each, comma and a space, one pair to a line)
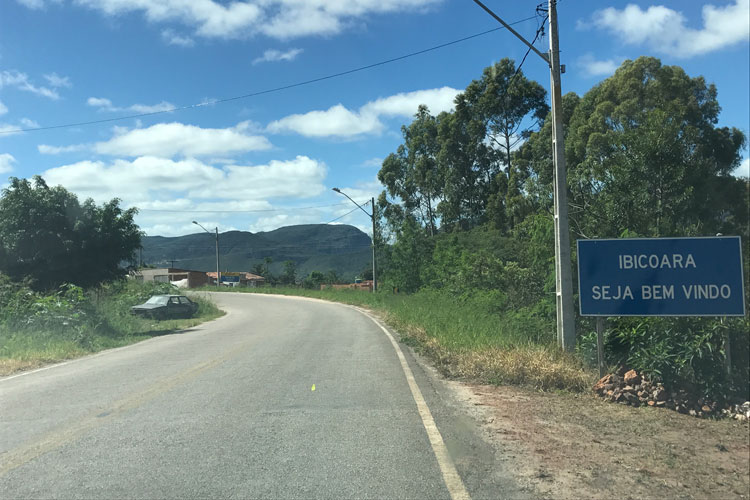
578, 446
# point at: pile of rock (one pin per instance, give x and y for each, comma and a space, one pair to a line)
632, 388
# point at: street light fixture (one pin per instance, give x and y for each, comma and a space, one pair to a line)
371, 216
218, 273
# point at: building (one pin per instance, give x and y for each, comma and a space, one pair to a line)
230, 278
183, 278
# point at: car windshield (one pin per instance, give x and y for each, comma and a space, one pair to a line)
159, 300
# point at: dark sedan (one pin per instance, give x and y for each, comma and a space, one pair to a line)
166, 306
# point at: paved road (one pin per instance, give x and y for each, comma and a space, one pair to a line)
227, 409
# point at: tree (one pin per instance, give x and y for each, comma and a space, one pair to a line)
489, 123
411, 173
645, 156
314, 280
49, 238
410, 256
289, 276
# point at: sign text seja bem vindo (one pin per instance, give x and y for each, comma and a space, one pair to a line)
661, 277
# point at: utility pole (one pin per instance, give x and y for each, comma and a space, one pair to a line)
218, 272
566, 334
374, 281
372, 216
566, 328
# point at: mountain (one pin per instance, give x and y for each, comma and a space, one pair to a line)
313, 247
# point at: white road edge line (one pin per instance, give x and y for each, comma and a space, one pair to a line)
452, 479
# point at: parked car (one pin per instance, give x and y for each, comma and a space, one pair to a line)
166, 306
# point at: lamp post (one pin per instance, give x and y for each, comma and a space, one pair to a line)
218, 273
371, 216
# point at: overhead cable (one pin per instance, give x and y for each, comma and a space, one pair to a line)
262, 92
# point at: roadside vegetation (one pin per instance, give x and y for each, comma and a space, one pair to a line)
63, 291
44, 327
465, 231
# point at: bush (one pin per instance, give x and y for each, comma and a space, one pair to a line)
683, 353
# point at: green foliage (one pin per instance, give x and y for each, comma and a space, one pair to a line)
682, 352
289, 276
48, 238
645, 158
644, 154
71, 321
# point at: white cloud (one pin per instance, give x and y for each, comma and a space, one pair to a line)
273, 55
171, 139
149, 178
105, 104
282, 19
373, 162
335, 121
7, 129
363, 192
20, 81
338, 121
743, 170
172, 38
3, 108
56, 80
406, 104
594, 67
6, 162
665, 30
271, 222
56, 150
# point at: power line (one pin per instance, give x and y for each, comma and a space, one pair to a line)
290, 209
347, 213
267, 91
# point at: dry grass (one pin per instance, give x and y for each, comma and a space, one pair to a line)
537, 366
578, 446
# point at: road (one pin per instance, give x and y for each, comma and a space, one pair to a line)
227, 409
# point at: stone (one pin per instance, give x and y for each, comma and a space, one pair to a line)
628, 388
706, 409
651, 402
632, 377
661, 404
599, 386
660, 394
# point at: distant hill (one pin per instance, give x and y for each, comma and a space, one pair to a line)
313, 247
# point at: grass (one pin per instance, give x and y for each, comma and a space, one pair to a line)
466, 338
52, 328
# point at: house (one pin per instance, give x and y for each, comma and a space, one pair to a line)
232, 278
183, 278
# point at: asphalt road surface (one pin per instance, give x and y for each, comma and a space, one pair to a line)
280, 398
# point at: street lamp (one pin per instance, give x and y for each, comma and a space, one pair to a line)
218, 273
371, 216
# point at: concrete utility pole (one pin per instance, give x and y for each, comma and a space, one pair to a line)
566, 328
566, 333
372, 216
218, 272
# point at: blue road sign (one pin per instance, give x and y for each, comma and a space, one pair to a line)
661, 277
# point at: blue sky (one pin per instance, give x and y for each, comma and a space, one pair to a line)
271, 160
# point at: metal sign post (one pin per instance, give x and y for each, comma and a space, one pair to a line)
600, 344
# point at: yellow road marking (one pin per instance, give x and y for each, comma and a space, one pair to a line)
70, 431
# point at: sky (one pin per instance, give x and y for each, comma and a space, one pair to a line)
242, 152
